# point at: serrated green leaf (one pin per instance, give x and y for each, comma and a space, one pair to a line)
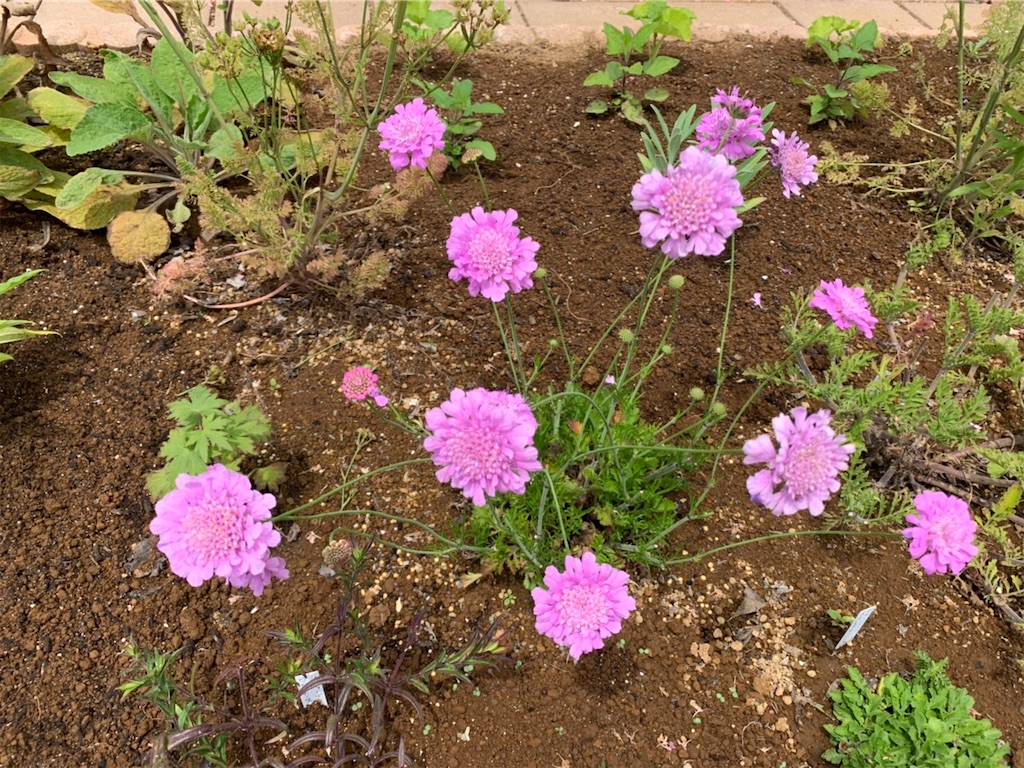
97, 90
107, 124
83, 184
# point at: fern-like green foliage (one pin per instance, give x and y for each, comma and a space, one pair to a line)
610, 477
211, 430
900, 723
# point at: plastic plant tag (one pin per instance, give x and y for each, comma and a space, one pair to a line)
314, 694
855, 627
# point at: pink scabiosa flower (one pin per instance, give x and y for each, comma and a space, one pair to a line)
846, 305
942, 533
483, 443
488, 252
691, 208
732, 127
360, 383
803, 472
790, 156
582, 605
412, 134
215, 524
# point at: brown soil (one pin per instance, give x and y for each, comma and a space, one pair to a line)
84, 416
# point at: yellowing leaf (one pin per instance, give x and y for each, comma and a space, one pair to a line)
94, 212
56, 108
138, 236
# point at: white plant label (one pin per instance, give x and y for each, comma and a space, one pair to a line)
854, 628
314, 694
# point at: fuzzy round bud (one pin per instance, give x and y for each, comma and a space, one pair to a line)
696, 394
676, 282
627, 335
553, 343
718, 409
337, 554
540, 273
666, 349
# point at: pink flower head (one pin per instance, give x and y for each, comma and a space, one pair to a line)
942, 533
791, 158
805, 466
846, 306
487, 250
483, 442
360, 383
215, 524
412, 134
582, 605
732, 127
692, 207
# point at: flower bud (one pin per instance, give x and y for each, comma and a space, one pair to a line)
697, 394
337, 554
718, 409
626, 335
540, 273
676, 282
666, 349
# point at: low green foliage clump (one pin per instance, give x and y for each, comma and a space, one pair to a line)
923, 721
846, 43
210, 430
636, 53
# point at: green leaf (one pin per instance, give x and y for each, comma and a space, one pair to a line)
660, 65
866, 38
94, 212
20, 173
96, 89
11, 283
226, 143
656, 94
615, 40
599, 79
56, 108
83, 184
12, 69
106, 124
485, 148
239, 95
19, 134
171, 75
863, 71
597, 107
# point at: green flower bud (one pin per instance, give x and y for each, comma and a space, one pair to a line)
540, 273
626, 335
697, 394
553, 343
666, 349
676, 282
718, 409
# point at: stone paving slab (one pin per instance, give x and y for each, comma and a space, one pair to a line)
70, 24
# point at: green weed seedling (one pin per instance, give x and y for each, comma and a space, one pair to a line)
462, 121
636, 53
908, 723
14, 330
211, 430
845, 43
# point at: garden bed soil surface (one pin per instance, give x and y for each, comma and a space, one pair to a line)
692, 683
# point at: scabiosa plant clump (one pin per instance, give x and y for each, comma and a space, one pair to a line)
488, 252
803, 472
691, 208
790, 156
941, 533
360, 383
582, 605
846, 305
732, 127
483, 443
412, 134
216, 524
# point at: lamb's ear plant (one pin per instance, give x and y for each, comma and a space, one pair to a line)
907, 723
637, 54
853, 94
15, 330
211, 430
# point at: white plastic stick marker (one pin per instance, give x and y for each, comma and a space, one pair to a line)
314, 694
854, 628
